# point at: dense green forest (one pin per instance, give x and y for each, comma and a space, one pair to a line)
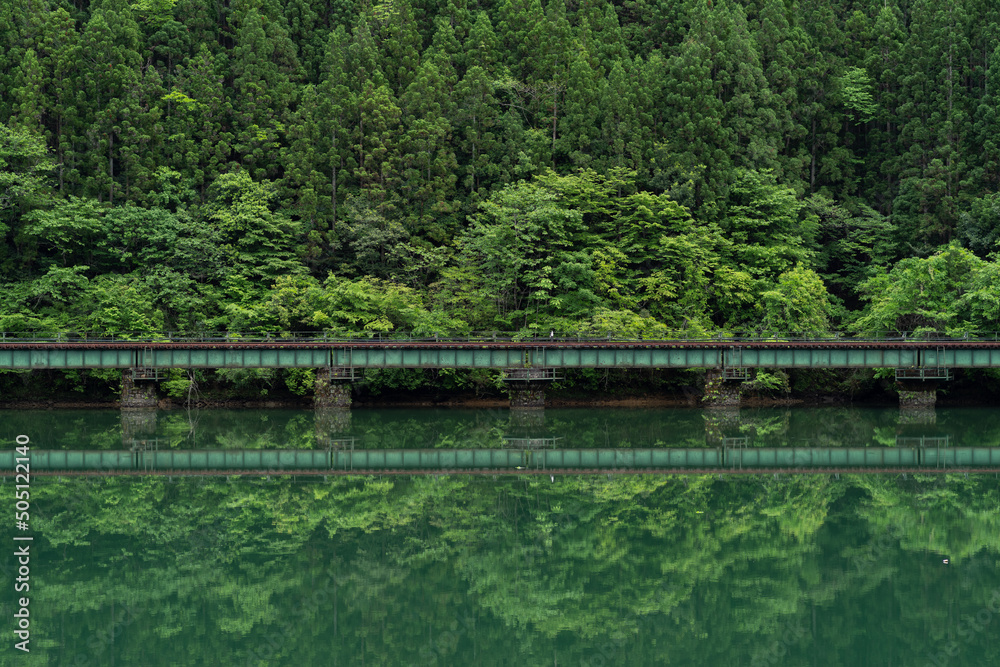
636, 167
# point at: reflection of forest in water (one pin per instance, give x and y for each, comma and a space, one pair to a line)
425, 428
449, 570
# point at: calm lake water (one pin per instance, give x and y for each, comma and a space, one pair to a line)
855, 569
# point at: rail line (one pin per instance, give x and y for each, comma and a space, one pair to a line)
335, 460
924, 359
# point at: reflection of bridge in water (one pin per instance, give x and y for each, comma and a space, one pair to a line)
933, 456
733, 443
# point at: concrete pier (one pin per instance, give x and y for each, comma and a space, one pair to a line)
526, 386
720, 392
137, 393
331, 390
917, 395
526, 397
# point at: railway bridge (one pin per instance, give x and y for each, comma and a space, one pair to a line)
345, 460
528, 364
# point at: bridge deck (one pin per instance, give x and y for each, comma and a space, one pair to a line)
485, 353
364, 461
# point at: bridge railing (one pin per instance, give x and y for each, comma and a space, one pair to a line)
741, 337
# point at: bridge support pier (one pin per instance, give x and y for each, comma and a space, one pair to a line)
333, 388
722, 389
137, 392
917, 395
526, 386
526, 397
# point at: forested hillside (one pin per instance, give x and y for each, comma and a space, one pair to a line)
636, 167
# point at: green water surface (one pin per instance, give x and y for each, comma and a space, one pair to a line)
848, 570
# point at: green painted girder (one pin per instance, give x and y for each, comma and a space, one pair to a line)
466, 357
720, 458
960, 358
234, 459
109, 460
169, 358
240, 358
795, 457
57, 358
960, 456
822, 358
623, 357
512, 355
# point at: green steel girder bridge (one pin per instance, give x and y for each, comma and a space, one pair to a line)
333, 461
927, 359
